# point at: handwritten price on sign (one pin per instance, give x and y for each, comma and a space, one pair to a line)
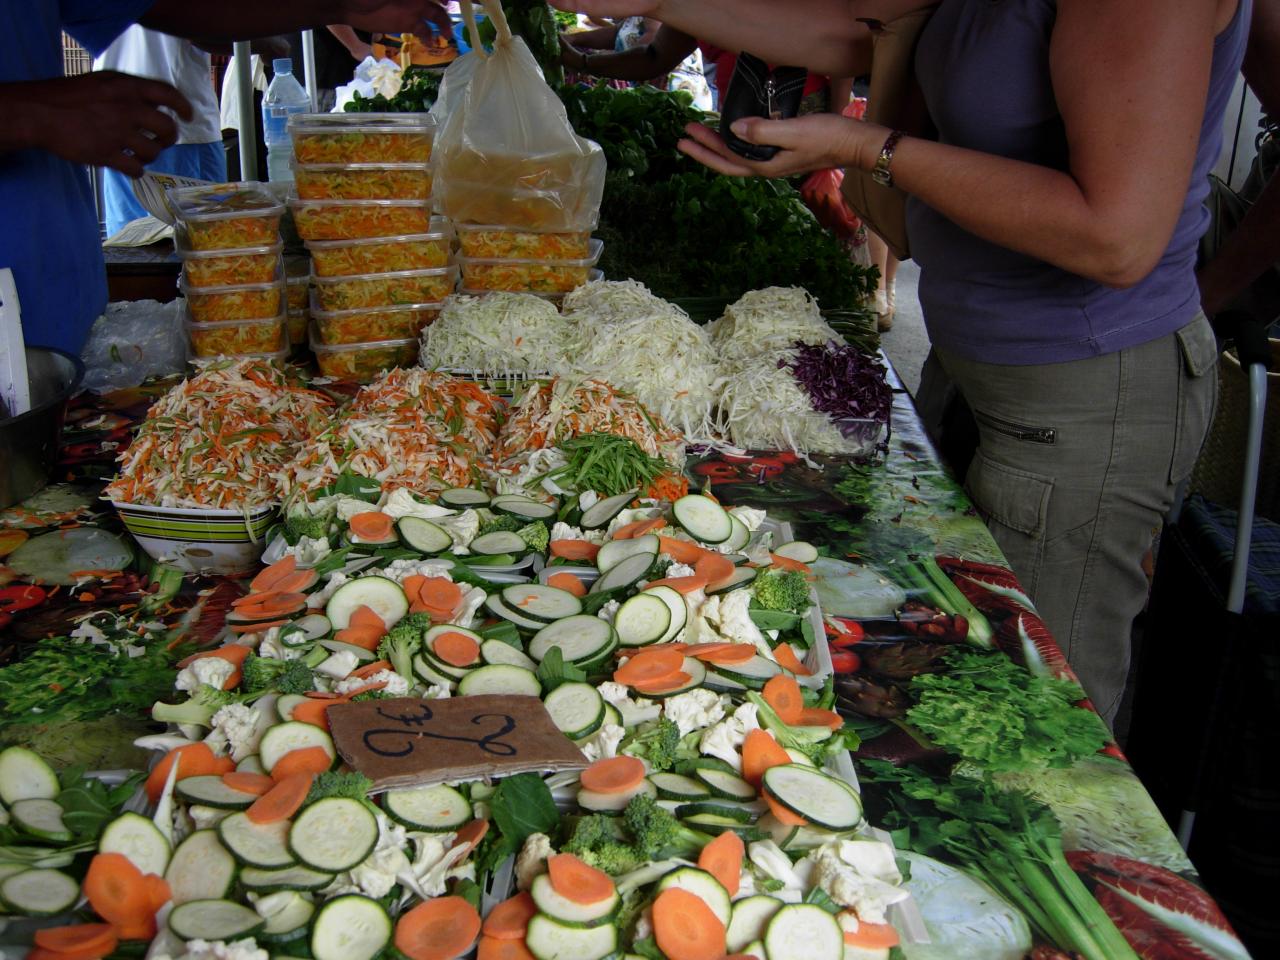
410, 733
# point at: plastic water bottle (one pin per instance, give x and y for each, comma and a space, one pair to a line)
285, 97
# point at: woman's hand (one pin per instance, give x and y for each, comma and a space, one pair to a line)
571, 56
818, 141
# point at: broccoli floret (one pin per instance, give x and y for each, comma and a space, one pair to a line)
656, 743
535, 535
265, 674
373, 695
300, 523
596, 842
657, 834
331, 783
658, 569
199, 709
787, 590
403, 641
502, 523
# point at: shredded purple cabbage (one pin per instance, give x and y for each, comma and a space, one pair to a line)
842, 381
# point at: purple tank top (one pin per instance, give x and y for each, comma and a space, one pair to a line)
984, 68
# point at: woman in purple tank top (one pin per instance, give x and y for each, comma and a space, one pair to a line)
1055, 220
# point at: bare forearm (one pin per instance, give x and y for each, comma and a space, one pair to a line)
1262, 56
239, 19
1249, 249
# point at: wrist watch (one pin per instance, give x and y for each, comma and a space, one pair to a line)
881, 173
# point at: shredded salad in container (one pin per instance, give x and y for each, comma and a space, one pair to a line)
500, 333
410, 428
523, 275
513, 243
224, 268
363, 181
225, 216
343, 258
362, 137
379, 323
243, 302
768, 322
361, 362
220, 439
236, 337
350, 219
385, 289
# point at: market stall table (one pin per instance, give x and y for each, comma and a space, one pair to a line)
885, 527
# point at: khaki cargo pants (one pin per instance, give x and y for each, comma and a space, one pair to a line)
1077, 465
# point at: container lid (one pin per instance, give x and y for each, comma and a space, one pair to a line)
318, 347
195, 324
355, 167
343, 122
188, 290
594, 249
450, 270
321, 314
223, 201
507, 228
186, 254
297, 204
440, 230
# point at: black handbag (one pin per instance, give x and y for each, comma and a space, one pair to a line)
758, 91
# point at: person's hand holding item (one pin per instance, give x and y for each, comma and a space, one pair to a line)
606, 9
816, 141
104, 119
395, 16
571, 56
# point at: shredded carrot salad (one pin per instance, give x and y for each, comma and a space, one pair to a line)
517, 275
361, 362
220, 439
410, 428
352, 219
252, 336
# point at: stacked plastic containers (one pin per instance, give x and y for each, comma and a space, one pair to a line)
519, 260
233, 279
380, 262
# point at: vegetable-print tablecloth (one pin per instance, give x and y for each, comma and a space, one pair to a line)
906, 563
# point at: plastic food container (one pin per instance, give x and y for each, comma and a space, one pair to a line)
417, 251
365, 325
225, 216
250, 301
296, 289
362, 362
362, 181
298, 326
362, 137
354, 219
534, 276
498, 242
385, 289
466, 291
235, 337
225, 268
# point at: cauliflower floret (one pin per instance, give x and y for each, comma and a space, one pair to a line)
318, 599
472, 600
338, 665
767, 857
694, 710
204, 817
402, 503
725, 739
631, 516
437, 691
733, 621
397, 686
400, 570
347, 507
855, 874
532, 859
214, 671
308, 551
379, 871
608, 611
246, 949
243, 728
463, 528
274, 648
603, 743
751, 517
633, 712
644, 925
562, 531
680, 570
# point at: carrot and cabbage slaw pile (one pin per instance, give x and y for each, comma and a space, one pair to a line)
220, 439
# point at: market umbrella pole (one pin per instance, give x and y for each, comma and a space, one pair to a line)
309, 67
248, 135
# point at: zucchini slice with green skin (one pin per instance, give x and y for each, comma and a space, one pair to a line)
208, 790
702, 518
537, 601
525, 508
675, 603
799, 550
422, 535
803, 930
550, 939
581, 639
577, 709
464, 497
286, 878
602, 511
437, 809
497, 543
821, 799
252, 764
201, 868
41, 819
381, 595
138, 839
333, 834
615, 551
569, 912
726, 812
704, 886
496, 652
214, 920
751, 916
284, 709
287, 914
426, 671
739, 536
39, 892
612, 802
741, 577
627, 573
262, 845
25, 776
350, 927
754, 673
502, 679
674, 786
284, 737
493, 603
341, 646
725, 784
642, 620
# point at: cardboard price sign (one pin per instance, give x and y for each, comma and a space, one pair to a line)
409, 742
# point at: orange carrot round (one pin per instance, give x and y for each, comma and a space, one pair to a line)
716, 567
568, 583
685, 927
722, 858
439, 593
456, 649
98, 939
493, 948
116, 890
680, 584
314, 712
255, 783
872, 936
313, 760
817, 717
786, 563
760, 752
647, 666
282, 801
638, 528
724, 653
613, 774
783, 694
438, 929
681, 551
788, 660
666, 685
574, 549
471, 834
509, 919
371, 527
576, 881
270, 576
783, 815
194, 760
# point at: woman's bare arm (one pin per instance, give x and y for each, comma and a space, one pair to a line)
655, 59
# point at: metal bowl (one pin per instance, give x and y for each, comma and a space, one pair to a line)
29, 442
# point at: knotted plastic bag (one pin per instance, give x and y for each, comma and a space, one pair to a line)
507, 153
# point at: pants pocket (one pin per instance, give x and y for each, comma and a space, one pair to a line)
1197, 392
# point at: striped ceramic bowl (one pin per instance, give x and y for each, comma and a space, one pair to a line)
198, 540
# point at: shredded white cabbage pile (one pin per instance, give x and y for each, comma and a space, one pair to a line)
768, 322
648, 347
763, 408
499, 333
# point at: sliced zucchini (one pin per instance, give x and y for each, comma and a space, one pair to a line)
284, 737
25, 776
333, 834
725, 784
627, 573
754, 673
739, 536
799, 550
253, 764
615, 551
500, 678
577, 709
263, 845
39, 892
751, 916
351, 927
214, 920
704, 886
423, 535
498, 542
287, 914
821, 799
613, 802
569, 911
384, 597
702, 518
285, 705
602, 511
341, 646
697, 672
741, 577
438, 808
540, 602
725, 812
674, 786
581, 638
209, 791
40, 818
716, 824
139, 840
641, 620
497, 652
425, 671
464, 497
201, 868
286, 878
495, 605
550, 939
675, 604
803, 931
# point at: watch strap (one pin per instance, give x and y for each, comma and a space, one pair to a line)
881, 173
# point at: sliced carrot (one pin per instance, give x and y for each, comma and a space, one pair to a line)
760, 752
91, 951
369, 669
576, 881
366, 638
158, 889
303, 760
270, 576
252, 599
786, 563
297, 582
372, 526
722, 652
116, 889
255, 783
282, 801
788, 660
574, 549
783, 694
255, 627
456, 649
322, 695
613, 774
685, 927
367, 688
716, 567
471, 834
568, 583
412, 584
681, 551
680, 584
231, 652
314, 712
872, 936
722, 858
783, 815
509, 919
143, 929
817, 717
79, 936
629, 531
666, 685
440, 593
650, 666
364, 616
492, 948
194, 760
438, 929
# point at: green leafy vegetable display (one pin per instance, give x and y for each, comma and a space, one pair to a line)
520, 807
606, 463
419, 87
993, 712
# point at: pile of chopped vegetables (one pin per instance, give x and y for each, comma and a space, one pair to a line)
533, 275
763, 407
410, 428
484, 241
610, 465
842, 381
356, 143
769, 321
220, 439
500, 333
363, 181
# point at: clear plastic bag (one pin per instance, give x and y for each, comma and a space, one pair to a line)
508, 154
134, 340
